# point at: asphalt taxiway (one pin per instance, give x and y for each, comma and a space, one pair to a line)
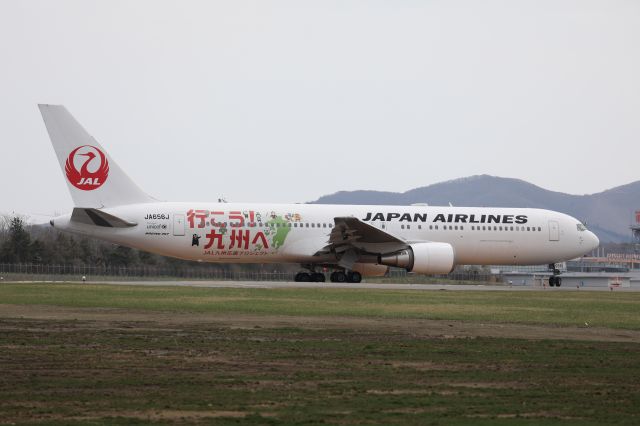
363, 286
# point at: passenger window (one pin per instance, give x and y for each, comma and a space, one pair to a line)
419, 226
313, 225
331, 225
436, 227
408, 226
383, 226
528, 229
402, 226
456, 227
324, 225
539, 229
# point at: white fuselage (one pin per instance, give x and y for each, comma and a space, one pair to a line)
296, 233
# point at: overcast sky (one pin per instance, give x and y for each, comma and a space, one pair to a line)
285, 101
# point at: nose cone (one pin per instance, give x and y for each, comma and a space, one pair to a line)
592, 240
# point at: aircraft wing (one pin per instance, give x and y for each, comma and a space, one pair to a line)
349, 230
350, 234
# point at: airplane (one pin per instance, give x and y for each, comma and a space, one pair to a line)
351, 240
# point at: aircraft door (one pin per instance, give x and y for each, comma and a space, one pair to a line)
554, 231
178, 224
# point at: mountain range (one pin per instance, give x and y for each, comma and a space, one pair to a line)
608, 214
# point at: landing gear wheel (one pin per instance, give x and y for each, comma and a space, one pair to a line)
354, 277
318, 277
554, 279
302, 277
338, 277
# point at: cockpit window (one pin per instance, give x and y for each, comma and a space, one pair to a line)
581, 227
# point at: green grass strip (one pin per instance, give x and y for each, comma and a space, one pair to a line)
598, 309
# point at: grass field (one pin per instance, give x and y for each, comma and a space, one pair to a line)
598, 309
100, 354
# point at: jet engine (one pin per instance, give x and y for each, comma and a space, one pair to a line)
422, 258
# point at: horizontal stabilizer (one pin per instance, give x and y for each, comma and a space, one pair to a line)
99, 218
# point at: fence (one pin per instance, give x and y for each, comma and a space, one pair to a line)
36, 272
400, 275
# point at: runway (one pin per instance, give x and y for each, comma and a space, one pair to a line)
363, 286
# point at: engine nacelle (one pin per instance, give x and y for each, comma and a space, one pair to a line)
422, 258
371, 269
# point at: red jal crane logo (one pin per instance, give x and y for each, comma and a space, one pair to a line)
94, 168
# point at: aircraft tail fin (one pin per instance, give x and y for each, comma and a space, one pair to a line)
93, 178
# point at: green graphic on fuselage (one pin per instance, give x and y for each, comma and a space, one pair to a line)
281, 230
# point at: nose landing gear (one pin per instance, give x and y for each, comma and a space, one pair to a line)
554, 279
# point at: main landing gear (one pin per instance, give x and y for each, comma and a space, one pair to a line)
335, 277
554, 279
348, 277
313, 277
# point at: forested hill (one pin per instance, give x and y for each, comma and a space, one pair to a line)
608, 213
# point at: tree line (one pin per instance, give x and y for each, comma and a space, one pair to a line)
42, 244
